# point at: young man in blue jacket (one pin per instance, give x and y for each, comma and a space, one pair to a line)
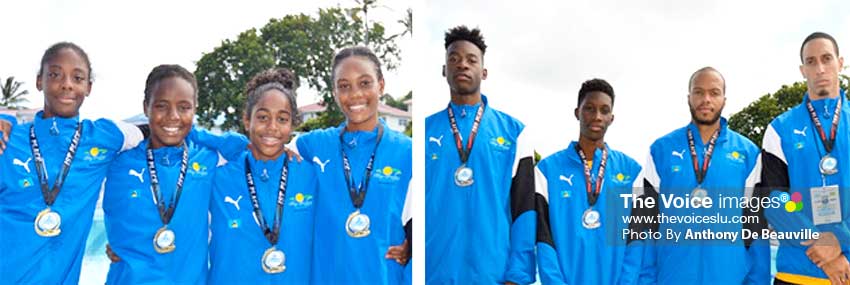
578, 202
714, 169
480, 220
806, 158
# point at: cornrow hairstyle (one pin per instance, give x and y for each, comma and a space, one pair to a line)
357, 51
165, 71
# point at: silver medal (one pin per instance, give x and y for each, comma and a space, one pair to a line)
590, 219
463, 176
163, 240
274, 261
47, 223
828, 165
357, 225
698, 193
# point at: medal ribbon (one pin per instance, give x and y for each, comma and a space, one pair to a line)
830, 142
165, 213
600, 176
358, 193
272, 235
48, 193
700, 172
464, 153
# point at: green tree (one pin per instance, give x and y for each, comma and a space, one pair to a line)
305, 44
389, 100
323, 120
752, 121
12, 98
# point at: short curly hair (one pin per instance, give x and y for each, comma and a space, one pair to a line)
594, 85
281, 79
462, 33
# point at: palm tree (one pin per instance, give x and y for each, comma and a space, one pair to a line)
11, 97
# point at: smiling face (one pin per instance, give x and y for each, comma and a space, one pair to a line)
356, 91
170, 111
707, 97
65, 82
269, 124
820, 67
595, 115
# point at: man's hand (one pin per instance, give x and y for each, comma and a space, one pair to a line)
824, 249
401, 253
838, 270
111, 254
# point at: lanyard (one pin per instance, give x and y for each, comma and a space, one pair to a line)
600, 176
464, 153
828, 143
358, 193
272, 235
165, 213
700, 172
48, 193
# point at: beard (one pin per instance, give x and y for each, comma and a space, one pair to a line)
823, 93
710, 121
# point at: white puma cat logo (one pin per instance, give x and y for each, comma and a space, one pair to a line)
235, 203
569, 180
438, 141
20, 163
801, 132
680, 154
319, 162
133, 172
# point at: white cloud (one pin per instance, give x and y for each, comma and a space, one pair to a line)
540, 51
125, 40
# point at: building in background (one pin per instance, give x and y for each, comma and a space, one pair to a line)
396, 119
23, 115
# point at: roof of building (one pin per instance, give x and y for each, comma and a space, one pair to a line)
18, 112
382, 109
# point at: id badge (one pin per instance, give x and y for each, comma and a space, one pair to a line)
826, 205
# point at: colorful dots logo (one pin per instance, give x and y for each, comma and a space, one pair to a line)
795, 204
